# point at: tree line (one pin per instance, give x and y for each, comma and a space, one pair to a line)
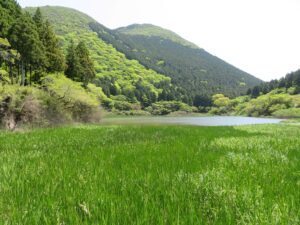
291, 81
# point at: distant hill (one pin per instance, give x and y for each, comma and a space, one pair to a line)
194, 72
190, 67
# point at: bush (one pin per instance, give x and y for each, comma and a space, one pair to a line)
166, 107
73, 103
288, 113
20, 105
60, 100
265, 105
133, 113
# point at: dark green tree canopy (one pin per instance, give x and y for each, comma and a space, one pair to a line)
72, 62
54, 56
24, 37
9, 11
86, 70
80, 66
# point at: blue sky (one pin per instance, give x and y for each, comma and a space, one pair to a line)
260, 37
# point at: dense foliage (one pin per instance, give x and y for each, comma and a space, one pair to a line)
276, 103
9, 11
280, 98
194, 70
115, 74
150, 175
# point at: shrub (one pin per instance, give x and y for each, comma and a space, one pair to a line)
288, 113
72, 101
166, 107
60, 100
265, 105
20, 105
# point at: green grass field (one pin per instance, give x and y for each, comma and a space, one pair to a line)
151, 175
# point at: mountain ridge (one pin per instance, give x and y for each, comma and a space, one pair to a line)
147, 29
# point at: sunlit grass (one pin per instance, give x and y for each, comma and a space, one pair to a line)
151, 175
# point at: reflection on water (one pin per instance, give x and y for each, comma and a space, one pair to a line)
199, 121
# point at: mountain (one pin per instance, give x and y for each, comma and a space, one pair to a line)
190, 67
148, 56
117, 75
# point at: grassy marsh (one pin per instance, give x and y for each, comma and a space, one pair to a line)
151, 175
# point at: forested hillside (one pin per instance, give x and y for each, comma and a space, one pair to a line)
195, 70
126, 79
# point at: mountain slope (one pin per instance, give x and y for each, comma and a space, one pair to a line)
115, 73
190, 67
194, 72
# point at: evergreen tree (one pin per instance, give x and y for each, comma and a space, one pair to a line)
24, 37
86, 72
72, 61
55, 59
255, 92
9, 12
39, 20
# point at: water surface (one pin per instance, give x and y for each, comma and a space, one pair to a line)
198, 121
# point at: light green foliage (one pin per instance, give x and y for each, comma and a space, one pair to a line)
221, 104
265, 105
96, 91
287, 113
4, 43
20, 105
4, 76
167, 107
151, 175
59, 100
275, 103
219, 100
292, 90
71, 98
160, 63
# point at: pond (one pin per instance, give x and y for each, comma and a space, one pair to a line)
198, 121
